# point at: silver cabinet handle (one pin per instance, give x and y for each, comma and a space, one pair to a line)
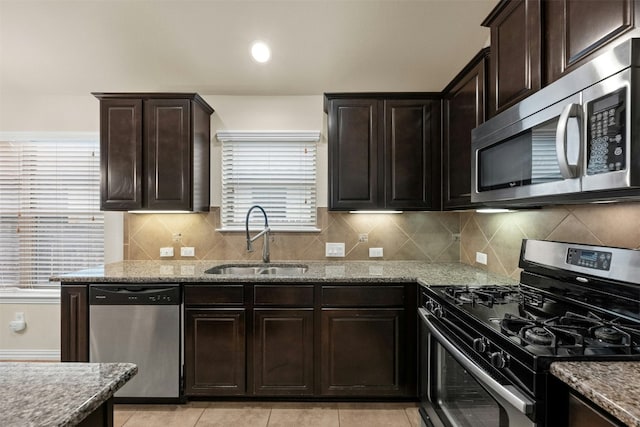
509, 393
567, 170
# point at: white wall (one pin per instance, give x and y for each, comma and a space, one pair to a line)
41, 338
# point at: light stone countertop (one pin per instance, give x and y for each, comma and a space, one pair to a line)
424, 273
57, 394
613, 386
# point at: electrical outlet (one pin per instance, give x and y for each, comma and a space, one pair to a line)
188, 251
363, 238
481, 258
334, 249
375, 253
166, 252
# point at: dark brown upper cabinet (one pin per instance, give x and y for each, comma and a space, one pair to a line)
384, 151
515, 67
577, 30
154, 151
463, 108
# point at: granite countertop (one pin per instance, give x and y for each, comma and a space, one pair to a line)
613, 386
424, 273
57, 394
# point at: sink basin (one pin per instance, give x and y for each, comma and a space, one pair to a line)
255, 269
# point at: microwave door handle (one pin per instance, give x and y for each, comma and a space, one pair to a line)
567, 170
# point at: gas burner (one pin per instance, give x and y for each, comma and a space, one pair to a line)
538, 336
609, 335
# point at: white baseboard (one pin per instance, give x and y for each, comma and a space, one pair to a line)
19, 354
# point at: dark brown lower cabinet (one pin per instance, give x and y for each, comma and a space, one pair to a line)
215, 352
283, 352
74, 323
362, 352
582, 414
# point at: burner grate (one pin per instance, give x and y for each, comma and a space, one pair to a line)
571, 334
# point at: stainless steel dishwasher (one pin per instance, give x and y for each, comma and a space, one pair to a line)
138, 324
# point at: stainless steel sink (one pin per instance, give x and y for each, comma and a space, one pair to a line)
256, 269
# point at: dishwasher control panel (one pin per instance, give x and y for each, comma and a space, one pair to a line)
123, 294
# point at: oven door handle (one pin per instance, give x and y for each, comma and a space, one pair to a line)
509, 393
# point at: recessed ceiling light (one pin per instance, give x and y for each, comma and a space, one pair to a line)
260, 51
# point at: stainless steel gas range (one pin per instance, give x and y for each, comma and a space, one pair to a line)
486, 351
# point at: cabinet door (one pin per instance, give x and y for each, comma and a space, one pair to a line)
215, 355
582, 414
463, 111
353, 154
515, 67
74, 323
576, 30
168, 154
412, 155
362, 352
283, 352
121, 154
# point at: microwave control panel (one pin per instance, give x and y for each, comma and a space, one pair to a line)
606, 145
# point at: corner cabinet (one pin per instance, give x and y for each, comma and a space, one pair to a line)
384, 151
154, 151
368, 340
463, 109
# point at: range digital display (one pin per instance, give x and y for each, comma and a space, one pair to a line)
599, 260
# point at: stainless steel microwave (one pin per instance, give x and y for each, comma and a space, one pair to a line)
577, 139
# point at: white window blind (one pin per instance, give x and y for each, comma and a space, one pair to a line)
275, 171
50, 219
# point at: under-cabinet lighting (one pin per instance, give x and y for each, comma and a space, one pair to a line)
493, 210
376, 212
159, 212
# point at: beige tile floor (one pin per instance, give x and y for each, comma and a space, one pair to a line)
271, 414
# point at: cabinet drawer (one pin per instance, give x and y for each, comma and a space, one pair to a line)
362, 296
281, 295
214, 295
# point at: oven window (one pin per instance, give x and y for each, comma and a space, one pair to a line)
461, 400
526, 159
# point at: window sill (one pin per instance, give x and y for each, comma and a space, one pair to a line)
272, 229
29, 296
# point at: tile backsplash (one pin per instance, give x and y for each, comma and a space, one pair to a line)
428, 236
500, 235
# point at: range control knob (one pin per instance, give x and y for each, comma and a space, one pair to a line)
438, 311
499, 359
430, 305
480, 345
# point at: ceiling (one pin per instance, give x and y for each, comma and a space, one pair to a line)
76, 47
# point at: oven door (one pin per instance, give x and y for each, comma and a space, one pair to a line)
456, 392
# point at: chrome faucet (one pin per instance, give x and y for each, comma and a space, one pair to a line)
265, 233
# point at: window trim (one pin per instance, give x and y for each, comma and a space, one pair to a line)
269, 136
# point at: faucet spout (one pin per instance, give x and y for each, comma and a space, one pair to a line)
264, 232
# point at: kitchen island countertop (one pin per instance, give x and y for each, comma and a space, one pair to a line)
425, 273
613, 386
57, 394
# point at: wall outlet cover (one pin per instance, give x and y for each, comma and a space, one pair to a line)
188, 251
166, 252
481, 258
376, 253
334, 249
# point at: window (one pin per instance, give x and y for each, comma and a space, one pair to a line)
276, 170
50, 219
